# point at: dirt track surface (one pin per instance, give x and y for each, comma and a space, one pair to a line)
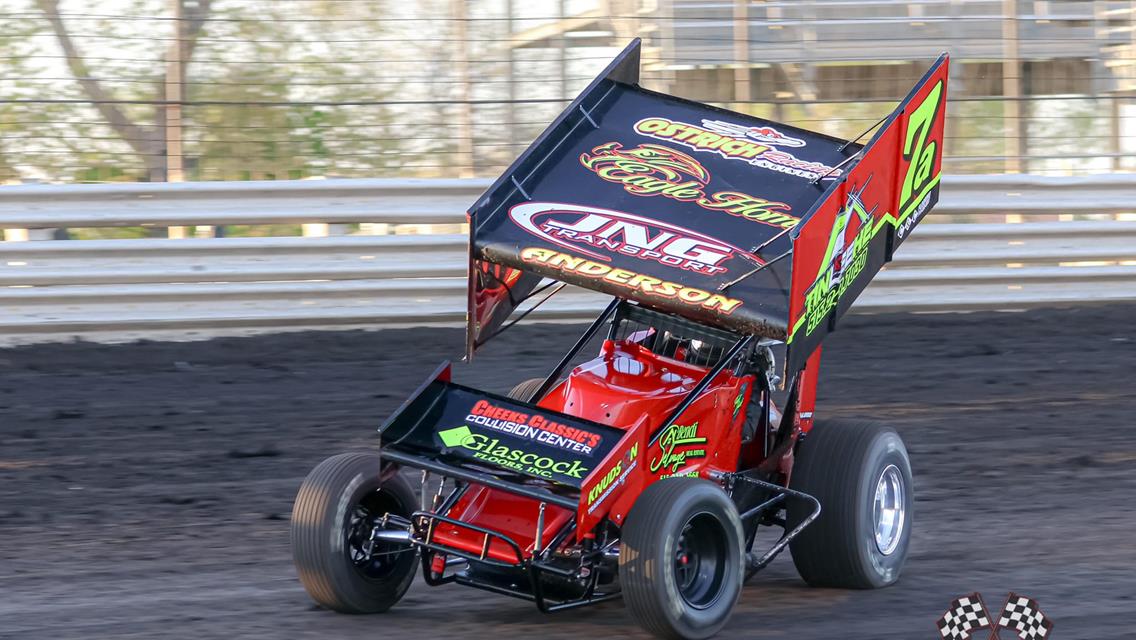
145, 489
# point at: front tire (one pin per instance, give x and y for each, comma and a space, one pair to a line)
681, 559
861, 474
339, 504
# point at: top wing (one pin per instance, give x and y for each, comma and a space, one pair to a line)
720, 217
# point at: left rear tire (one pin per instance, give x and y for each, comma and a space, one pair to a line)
339, 506
524, 390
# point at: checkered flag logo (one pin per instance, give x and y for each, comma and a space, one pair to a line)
966, 614
1022, 615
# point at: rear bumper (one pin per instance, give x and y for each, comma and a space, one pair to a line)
423, 534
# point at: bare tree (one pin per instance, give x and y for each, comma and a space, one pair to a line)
148, 140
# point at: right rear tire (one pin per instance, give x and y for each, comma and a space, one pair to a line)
861, 474
339, 504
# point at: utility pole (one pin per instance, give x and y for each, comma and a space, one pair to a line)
174, 97
742, 86
465, 109
511, 106
561, 10
1013, 108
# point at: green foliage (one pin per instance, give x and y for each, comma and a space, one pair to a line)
109, 233
291, 90
262, 230
255, 69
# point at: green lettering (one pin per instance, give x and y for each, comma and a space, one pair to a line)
491, 450
916, 151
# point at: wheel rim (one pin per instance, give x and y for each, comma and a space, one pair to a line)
889, 510
700, 560
374, 559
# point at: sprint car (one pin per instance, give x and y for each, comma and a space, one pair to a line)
681, 458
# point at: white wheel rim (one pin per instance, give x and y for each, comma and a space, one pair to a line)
889, 510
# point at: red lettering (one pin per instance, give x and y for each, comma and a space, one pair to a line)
480, 408
484, 408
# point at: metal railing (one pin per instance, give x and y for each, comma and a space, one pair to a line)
428, 201
120, 289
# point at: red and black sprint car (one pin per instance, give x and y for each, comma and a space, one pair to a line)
729, 244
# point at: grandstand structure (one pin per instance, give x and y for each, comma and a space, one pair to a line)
805, 52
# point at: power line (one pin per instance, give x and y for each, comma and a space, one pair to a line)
290, 103
725, 19
725, 42
282, 81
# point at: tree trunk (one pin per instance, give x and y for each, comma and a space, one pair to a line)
148, 141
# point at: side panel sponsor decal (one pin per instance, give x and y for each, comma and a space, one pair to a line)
621, 473
844, 258
633, 283
536, 428
740, 399
486, 448
921, 151
612, 478
743, 205
678, 445
735, 142
656, 170
451, 421
602, 233
765, 134
648, 170
849, 236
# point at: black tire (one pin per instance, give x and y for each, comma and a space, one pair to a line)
524, 390
326, 516
841, 463
690, 518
